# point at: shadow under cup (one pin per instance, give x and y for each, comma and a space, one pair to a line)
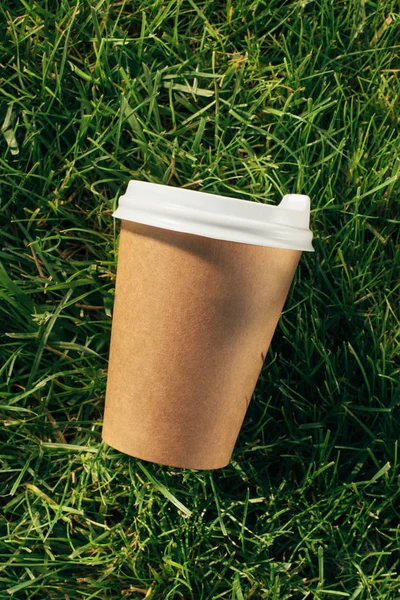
193, 320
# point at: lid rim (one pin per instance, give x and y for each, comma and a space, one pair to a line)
219, 217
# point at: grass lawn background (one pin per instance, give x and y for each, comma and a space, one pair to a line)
249, 99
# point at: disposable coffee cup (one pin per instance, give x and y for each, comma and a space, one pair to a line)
201, 283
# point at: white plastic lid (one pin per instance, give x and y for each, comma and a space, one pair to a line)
219, 217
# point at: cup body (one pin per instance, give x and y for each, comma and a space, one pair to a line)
193, 320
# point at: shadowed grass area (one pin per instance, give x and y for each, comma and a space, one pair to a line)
248, 99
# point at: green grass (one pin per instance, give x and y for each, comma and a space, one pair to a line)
251, 99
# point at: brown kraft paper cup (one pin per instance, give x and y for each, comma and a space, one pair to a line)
193, 320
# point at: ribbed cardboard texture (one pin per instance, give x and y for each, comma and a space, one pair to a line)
193, 319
